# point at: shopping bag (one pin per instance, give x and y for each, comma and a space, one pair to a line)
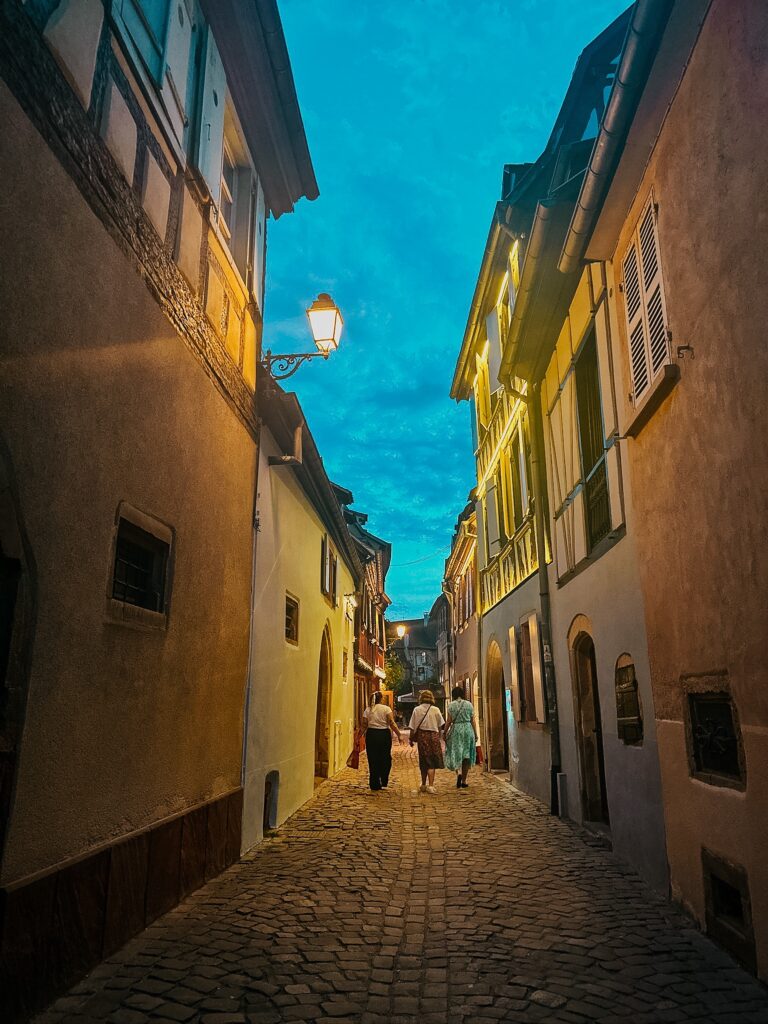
479, 759
358, 743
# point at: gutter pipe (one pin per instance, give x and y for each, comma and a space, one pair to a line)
540, 517
643, 36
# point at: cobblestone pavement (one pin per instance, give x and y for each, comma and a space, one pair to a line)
468, 906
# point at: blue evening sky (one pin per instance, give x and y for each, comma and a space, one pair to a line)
411, 108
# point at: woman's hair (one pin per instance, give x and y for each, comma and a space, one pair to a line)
457, 693
427, 697
377, 697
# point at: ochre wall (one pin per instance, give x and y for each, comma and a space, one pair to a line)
699, 469
284, 677
101, 402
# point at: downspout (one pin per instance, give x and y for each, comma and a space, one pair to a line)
252, 609
643, 35
540, 517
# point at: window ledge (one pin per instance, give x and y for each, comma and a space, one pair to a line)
121, 614
659, 391
603, 546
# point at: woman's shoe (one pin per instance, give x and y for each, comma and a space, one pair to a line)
458, 781
432, 790
422, 789
463, 785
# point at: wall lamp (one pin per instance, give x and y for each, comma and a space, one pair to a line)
325, 323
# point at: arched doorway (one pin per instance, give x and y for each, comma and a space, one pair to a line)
322, 719
498, 740
589, 729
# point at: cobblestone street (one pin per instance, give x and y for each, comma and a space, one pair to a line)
397, 906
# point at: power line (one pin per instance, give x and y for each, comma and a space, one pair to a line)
401, 565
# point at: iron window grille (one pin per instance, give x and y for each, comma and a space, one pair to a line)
714, 738
141, 567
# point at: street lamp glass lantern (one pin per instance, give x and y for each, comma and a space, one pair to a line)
400, 632
325, 323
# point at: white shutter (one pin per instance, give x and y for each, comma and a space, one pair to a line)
259, 244
210, 142
514, 674
537, 668
494, 349
492, 519
644, 305
177, 53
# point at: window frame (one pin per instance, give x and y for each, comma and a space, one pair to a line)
292, 602
121, 612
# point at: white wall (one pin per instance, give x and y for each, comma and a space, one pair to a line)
283, 683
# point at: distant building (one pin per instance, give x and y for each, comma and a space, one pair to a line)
372, 602
417, 652
460, 586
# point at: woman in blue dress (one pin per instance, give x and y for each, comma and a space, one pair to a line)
461, 737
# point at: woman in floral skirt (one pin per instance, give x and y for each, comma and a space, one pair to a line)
460, 737
426, 725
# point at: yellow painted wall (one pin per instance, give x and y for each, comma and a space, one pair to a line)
284, 677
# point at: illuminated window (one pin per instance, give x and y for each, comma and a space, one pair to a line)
291, 619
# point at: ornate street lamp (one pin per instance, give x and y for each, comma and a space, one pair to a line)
326, 323
401, 631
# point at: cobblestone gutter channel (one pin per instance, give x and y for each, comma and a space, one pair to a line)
471, 906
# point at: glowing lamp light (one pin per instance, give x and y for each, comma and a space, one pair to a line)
325, 323
400, 632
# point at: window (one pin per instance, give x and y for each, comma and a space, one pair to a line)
147, 24
329, 571
140, 568
291, 619
715, 748
629, 719
728, 907
597, 509
644, 304
528, 697
228, 187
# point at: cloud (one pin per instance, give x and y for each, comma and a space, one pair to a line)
411, 109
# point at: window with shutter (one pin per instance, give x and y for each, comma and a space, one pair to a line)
210, 136
147, 22
644, 304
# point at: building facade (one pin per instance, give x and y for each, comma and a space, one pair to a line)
371, 605
460, 587
672, 215
132, 294
301, 695
555, 502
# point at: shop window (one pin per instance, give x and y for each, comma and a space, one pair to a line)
629, 716
714, 740
291, 619
139, 575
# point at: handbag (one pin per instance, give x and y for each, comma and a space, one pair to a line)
353, 761
479, 758
414, 731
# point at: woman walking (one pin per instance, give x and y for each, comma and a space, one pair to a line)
461, 737
378, 741
426, 723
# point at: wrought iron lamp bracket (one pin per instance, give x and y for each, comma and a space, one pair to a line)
288, 363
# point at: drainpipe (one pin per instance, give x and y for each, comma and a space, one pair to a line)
540, 515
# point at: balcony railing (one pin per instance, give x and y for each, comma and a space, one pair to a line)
515, 563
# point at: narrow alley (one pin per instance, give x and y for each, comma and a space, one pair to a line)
397, 906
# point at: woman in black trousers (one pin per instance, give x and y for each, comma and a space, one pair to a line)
380, 728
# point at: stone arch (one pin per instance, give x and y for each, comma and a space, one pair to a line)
323, 714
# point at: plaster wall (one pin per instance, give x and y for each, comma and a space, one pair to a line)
466, 650
284, 677
529, 742
608, 594
699, 471
101, 402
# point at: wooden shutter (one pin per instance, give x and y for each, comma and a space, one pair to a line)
258, 243
537, 669
335, 581
644, 305
494, 349
146, 21
515, 674
323, 563
177, 54
210, 141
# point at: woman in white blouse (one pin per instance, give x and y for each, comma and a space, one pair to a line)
380, 728
426, 724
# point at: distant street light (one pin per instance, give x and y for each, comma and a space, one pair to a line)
401, 631
326, 323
